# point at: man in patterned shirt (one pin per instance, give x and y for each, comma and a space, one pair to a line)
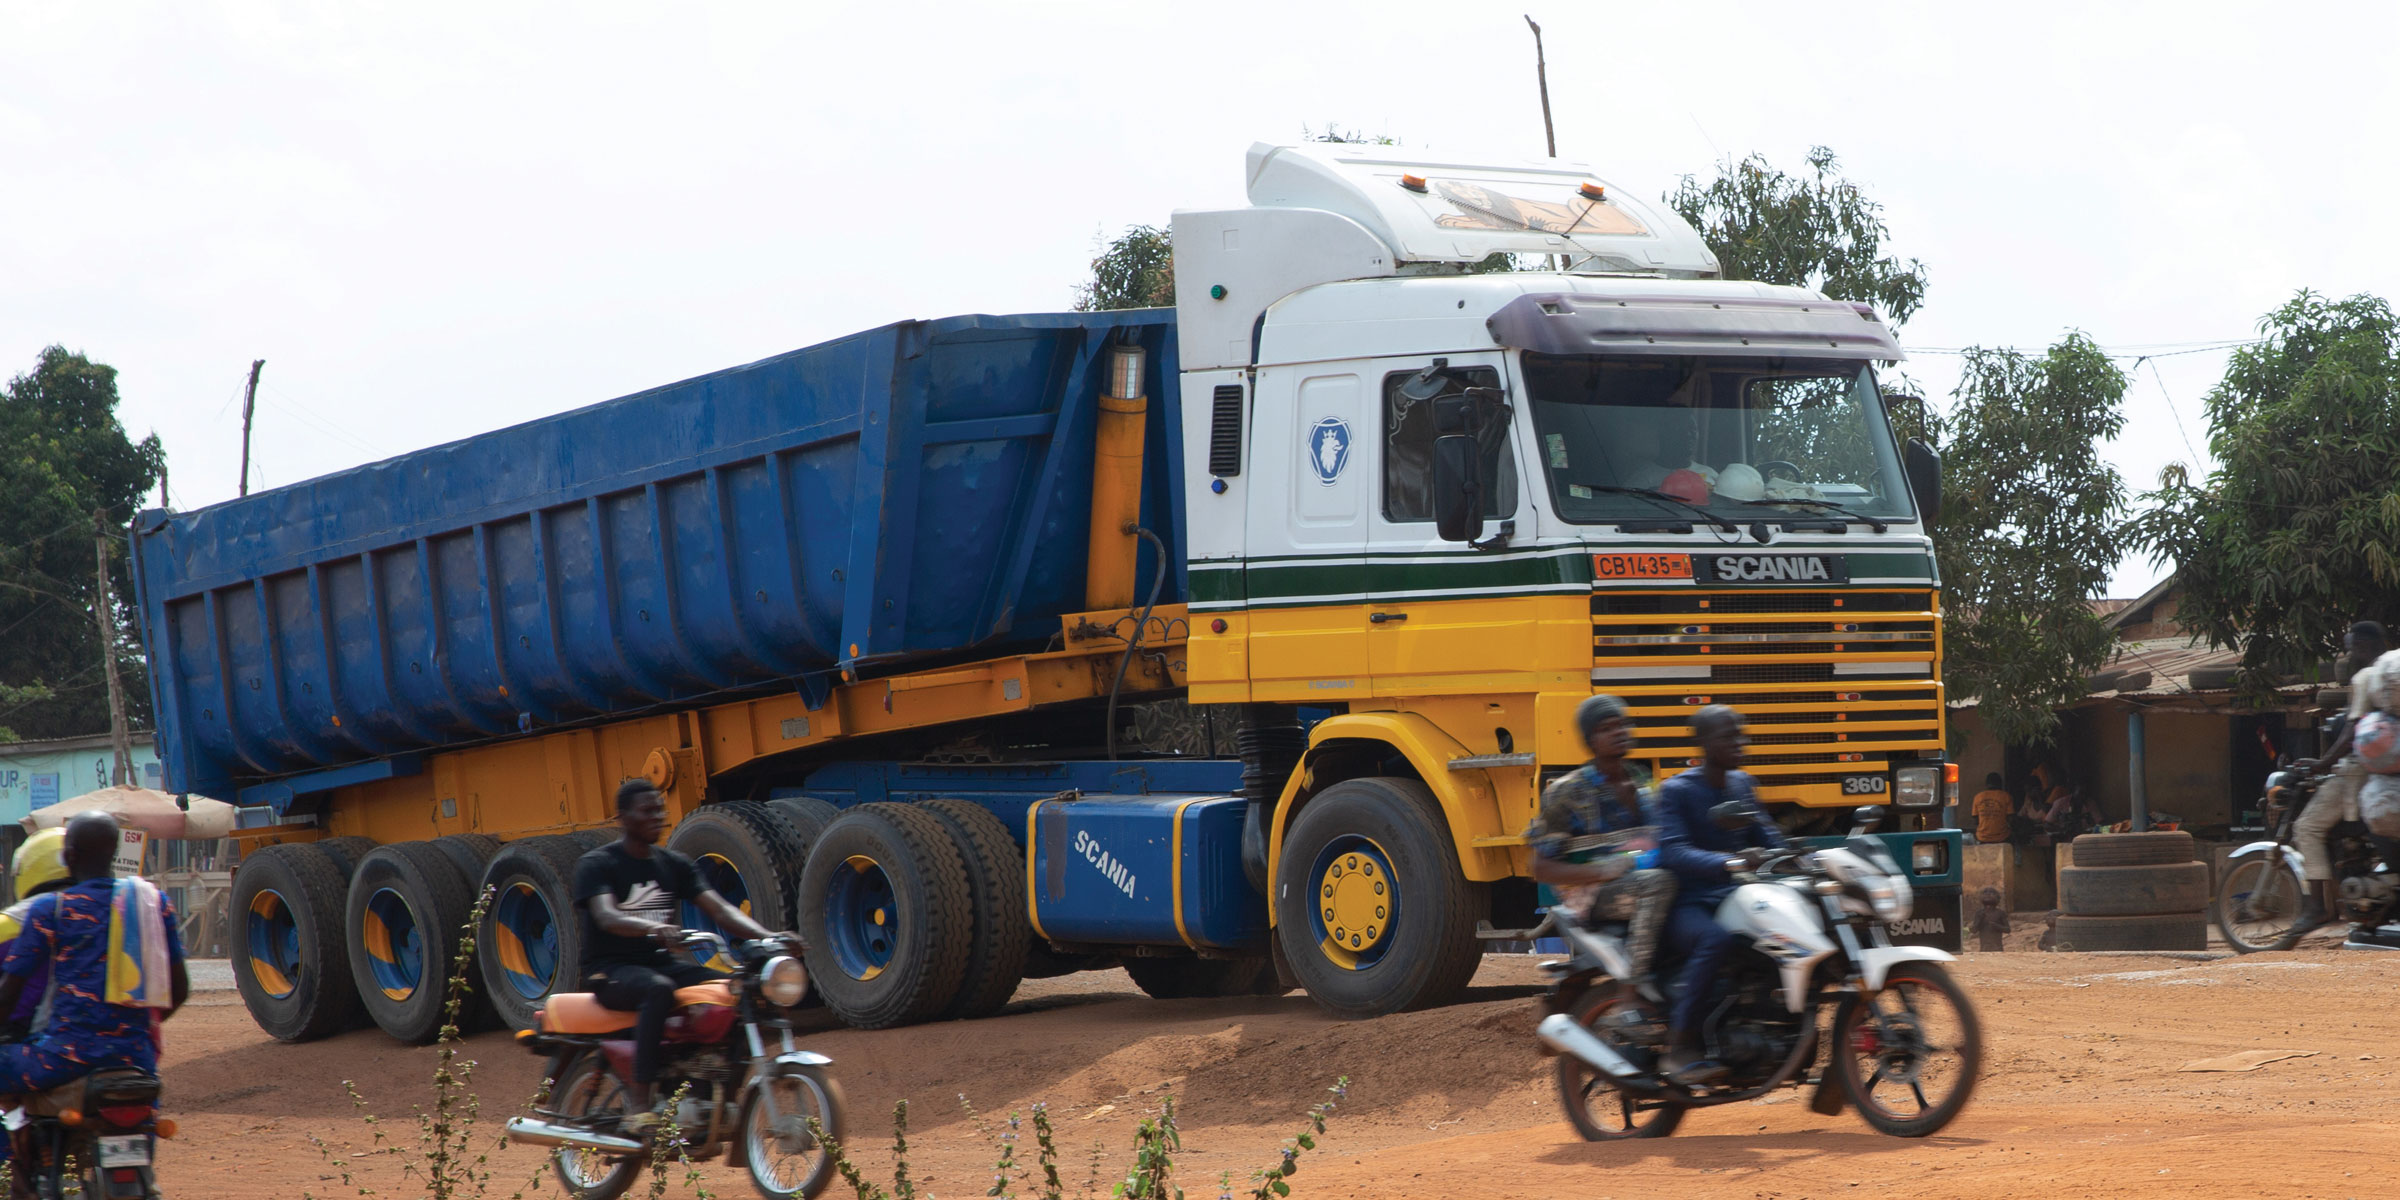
1594, 847
68, 929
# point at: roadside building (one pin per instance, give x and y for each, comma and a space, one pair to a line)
2160, 737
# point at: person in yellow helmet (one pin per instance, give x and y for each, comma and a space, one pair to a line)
40, 867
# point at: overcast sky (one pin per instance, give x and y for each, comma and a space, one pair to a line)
433, 221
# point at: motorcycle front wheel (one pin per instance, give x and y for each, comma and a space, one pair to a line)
1909, 1055
786, 1156
586, 1091
2257, 903
1599, 1110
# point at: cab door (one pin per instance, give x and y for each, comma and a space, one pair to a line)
1444, 617
1307, 543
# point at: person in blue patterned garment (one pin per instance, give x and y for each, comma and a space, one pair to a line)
96, 1021
1593, 845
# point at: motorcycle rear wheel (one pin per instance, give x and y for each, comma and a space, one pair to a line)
2257, 903
1597, 1108
583, 1091
1897, 1050
784, 1155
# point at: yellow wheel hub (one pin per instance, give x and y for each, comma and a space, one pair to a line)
1355, 898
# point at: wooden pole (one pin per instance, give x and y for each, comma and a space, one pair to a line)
250, 394
103, 615
1541, 75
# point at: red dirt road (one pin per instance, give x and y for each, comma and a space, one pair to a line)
2082, 1094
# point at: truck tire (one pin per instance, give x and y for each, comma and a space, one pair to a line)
1378, 854
530, 941
407, 905
745, 851
2133, 891
887, 915
996, 880
469, 852
2179, 931
597, 836
808, 817
1198, 978
294, 967
2132, 849
344, 853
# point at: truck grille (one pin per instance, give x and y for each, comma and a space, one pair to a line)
1833, 683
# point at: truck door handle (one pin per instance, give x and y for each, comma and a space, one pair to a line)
1380, 618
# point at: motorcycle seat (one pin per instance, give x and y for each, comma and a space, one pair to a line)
580, 1012
112, 1085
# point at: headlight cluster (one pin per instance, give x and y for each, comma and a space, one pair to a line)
1917, 787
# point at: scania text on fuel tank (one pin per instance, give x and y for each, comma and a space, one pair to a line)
890, 619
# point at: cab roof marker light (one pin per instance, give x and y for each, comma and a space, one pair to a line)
1414, 183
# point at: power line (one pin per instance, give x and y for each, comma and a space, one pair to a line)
2137, 350
2171, 409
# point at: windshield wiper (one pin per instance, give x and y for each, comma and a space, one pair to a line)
1656, 496
1877, 524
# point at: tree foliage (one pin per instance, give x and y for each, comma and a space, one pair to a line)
1137, 270
1817, 231
64, 455
2296, 533
2030, 528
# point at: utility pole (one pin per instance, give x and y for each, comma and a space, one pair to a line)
103, 609
250, 394
1541, 74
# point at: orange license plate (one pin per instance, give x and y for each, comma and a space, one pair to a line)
1641, 566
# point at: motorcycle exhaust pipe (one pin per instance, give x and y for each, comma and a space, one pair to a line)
527, 1131
1559, 1031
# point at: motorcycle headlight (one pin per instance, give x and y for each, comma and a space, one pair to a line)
1894, 900
1917, 787
783, 981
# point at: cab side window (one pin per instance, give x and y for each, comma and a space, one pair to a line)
1408, 433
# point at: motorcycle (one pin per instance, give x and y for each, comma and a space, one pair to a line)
2257, 905
745, 1088
1810, 924
95, 1137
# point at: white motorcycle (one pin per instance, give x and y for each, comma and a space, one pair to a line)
1906, 1047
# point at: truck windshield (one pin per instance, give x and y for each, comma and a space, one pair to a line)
1748, 438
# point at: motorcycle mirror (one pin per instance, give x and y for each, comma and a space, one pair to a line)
1730, 814
1866, 820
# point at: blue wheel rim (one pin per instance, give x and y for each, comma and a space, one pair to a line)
273, 938
1338, 866
861, 918
395, 951
725, 879
527, 940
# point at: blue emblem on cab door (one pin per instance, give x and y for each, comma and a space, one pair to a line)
1329, 449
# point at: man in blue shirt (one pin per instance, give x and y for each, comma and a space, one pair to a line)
1692, 846
69, 929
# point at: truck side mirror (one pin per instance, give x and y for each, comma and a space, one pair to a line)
1457, 487
1924, 466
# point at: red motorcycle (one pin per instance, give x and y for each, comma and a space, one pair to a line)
744, 1086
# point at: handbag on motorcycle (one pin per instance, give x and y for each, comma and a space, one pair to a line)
2379, 805
2377, 743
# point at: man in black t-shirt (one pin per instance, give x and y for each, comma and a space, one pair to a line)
631, 893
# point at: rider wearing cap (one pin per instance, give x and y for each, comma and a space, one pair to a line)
1593, 844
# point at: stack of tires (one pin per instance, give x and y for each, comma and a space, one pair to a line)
2133, 891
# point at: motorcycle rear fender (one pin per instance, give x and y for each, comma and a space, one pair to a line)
1875, 962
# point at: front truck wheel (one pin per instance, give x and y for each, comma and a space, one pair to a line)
887, 915
530, 942
294, 966
408, 904
1371, 907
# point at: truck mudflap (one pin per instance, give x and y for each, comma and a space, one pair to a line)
1146, 870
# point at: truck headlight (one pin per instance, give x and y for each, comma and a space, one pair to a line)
1917, 787
1929, 858
783, 981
